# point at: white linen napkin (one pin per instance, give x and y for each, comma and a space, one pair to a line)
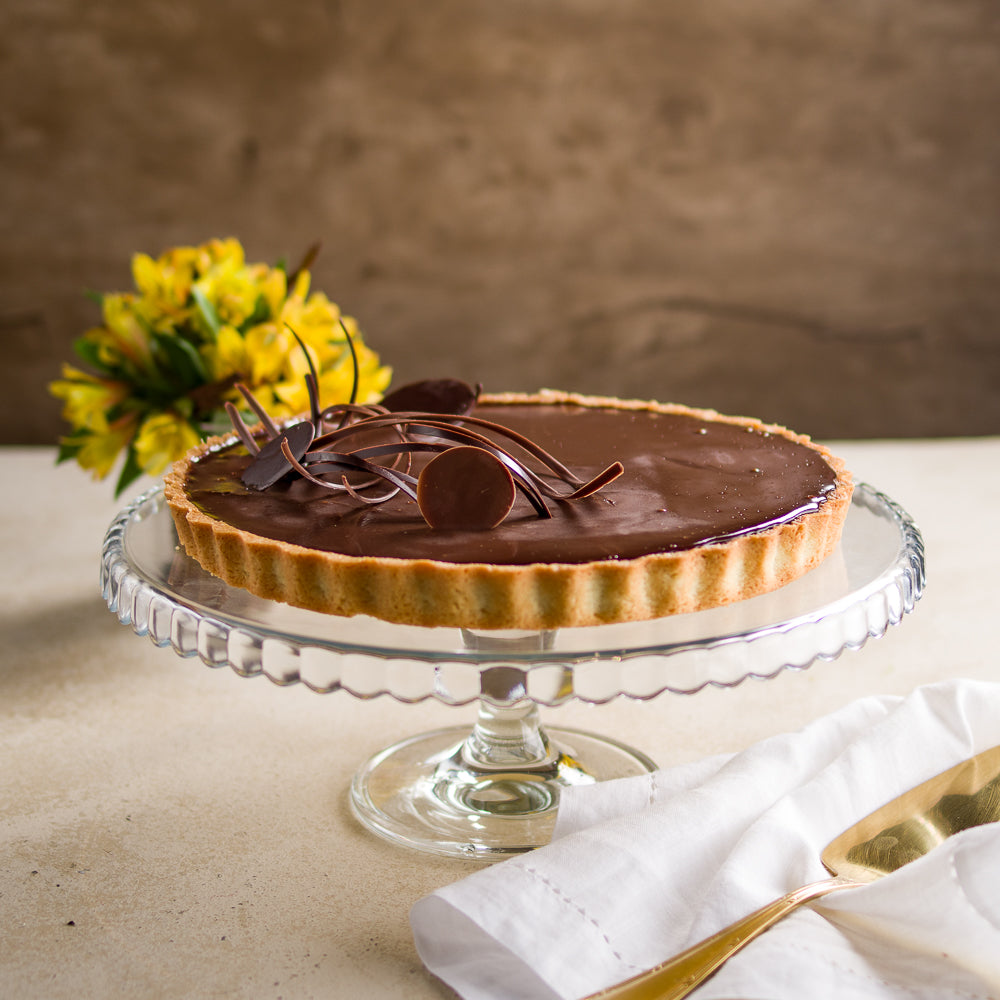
642, 868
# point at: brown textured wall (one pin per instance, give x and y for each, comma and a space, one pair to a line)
784, 207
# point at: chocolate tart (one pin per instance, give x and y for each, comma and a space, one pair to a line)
709, 510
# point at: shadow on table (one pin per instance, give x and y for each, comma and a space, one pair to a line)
52, 641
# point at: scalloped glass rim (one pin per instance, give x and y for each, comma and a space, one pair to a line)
874, 578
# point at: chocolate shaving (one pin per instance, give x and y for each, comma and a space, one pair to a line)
241, 429
342, 411
443, 427
312, 383
313, 389
354, 359
354, 364
522, 477
271, 462
470, 483
356, 494
348, 462
441, 422
262, 416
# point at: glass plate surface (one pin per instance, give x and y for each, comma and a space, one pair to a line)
873, 578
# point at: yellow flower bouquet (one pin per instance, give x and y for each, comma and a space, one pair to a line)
169, 354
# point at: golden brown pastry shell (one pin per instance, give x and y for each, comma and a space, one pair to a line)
427, 592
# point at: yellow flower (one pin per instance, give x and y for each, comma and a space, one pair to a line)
99, 451
267, 347
163, 438
200, 319
300, 288
273, 287
122, 338
165, 287
228, 251
87, 399
227, 355
317, 322
235, 289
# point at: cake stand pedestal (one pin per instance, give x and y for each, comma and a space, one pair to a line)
494, 791
491, 792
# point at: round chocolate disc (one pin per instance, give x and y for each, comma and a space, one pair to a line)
269, 464
433, 395
465, 489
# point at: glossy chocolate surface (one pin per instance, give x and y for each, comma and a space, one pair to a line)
687, 482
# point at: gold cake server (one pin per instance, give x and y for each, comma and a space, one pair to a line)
899, 832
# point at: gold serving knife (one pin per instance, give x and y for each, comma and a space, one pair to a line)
899, 832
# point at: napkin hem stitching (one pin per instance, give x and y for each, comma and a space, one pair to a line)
566, 900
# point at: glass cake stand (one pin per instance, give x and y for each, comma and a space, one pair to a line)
493, 792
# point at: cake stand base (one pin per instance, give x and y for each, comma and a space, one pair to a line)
490, 794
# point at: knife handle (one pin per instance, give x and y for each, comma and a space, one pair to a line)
676, 977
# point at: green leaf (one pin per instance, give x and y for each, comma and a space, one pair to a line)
184, 365
68, 450
152, 388
131, 471
261, 313
126, 406
207, 310
89, 353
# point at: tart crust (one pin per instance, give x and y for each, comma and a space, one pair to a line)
428, 592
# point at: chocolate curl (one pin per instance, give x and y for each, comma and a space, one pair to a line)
522, 477
345, 410
550, 461
354, 360
457, 424
602, 479
321, 462
434, 432
312, 382
462, 435
241, 429
375, 451
349, 463
371, 501
356, 373
312, 388
455, 431
268, 423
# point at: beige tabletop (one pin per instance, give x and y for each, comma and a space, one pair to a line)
169, 830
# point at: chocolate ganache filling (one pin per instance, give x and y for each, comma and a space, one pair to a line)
688, 481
